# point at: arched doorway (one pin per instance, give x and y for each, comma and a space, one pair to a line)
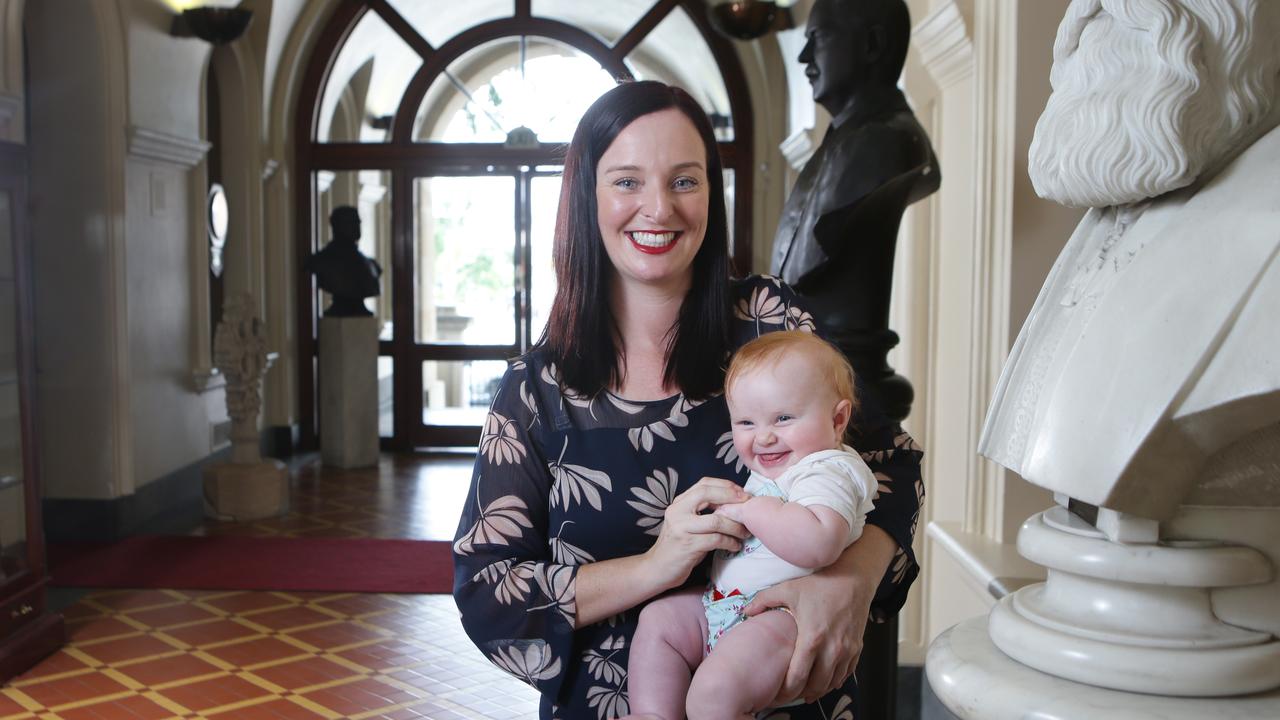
446, 128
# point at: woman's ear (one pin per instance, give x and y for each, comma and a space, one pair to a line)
840, 418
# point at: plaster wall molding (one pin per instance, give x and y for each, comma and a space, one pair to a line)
945, 45
995, 115
164, 147
799, 147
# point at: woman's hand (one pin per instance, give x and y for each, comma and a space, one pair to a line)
687, 535
830, 608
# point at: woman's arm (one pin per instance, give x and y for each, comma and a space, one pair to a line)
831, 608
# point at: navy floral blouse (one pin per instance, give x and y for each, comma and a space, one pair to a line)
562, 480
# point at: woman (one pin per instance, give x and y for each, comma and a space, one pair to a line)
605, 442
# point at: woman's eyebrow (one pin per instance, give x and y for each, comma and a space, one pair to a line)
636, 168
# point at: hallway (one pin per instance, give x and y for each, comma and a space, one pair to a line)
159, 654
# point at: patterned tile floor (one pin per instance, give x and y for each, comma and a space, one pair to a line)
193, 655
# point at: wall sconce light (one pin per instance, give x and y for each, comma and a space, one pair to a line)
748, 19
214, 25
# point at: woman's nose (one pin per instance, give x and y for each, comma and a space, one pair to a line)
657, 205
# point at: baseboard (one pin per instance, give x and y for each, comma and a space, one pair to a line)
281, 441
173, 504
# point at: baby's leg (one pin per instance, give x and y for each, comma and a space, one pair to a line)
745, 670
666, 648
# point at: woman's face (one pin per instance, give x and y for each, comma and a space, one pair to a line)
652, 197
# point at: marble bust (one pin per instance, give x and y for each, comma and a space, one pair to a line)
342, 270
836, 238
1153, 344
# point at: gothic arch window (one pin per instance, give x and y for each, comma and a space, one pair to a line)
445, 125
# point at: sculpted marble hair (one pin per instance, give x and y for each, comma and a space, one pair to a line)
1149, 94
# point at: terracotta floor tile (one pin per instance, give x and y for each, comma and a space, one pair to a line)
133, 707
165, 670
356, 605
253, 652
209, 694
360, 696
289, 618
123, 600
56, 664
212, 632
82, 631
61, 691
245, 603
337, 635
384, 655
278, 709
118, 650
304, 672
163, 617
9, 706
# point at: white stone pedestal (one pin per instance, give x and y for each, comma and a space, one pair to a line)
978, 682
239, 492
349, 391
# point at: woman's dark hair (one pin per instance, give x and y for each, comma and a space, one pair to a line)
581, 335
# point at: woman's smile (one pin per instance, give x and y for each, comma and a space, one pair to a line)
654, 243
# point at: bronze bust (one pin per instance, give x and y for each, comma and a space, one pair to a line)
342, 270
835, 241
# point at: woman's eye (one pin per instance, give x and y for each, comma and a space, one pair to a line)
626, 183
685, 183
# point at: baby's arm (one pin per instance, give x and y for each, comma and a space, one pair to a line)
808, 536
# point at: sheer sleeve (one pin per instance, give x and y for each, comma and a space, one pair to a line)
518, 606
766, 304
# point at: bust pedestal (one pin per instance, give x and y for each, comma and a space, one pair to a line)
978, 682
349, 391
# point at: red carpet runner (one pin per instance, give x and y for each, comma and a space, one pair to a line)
256, 563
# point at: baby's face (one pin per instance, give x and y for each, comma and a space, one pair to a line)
782, 413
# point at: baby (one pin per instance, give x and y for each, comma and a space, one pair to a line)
790, 396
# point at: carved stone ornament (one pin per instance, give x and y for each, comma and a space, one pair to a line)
240, 354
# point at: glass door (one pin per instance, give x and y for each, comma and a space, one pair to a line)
482, 285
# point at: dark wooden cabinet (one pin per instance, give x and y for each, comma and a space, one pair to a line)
28, 631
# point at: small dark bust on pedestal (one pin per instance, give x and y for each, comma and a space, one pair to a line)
835, 242
342, 270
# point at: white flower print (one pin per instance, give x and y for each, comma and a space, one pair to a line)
900, 563
642, 437
727, 452
526, 396
659, 491
551, 376
556, 582
843, 709
499, 442
629, 408
762, 308
884, 484
529, 660
600, 661
575, 482
566, 553
609, 702
798, 319
500, 520
514, 583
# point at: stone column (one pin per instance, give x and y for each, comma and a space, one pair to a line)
349, 391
